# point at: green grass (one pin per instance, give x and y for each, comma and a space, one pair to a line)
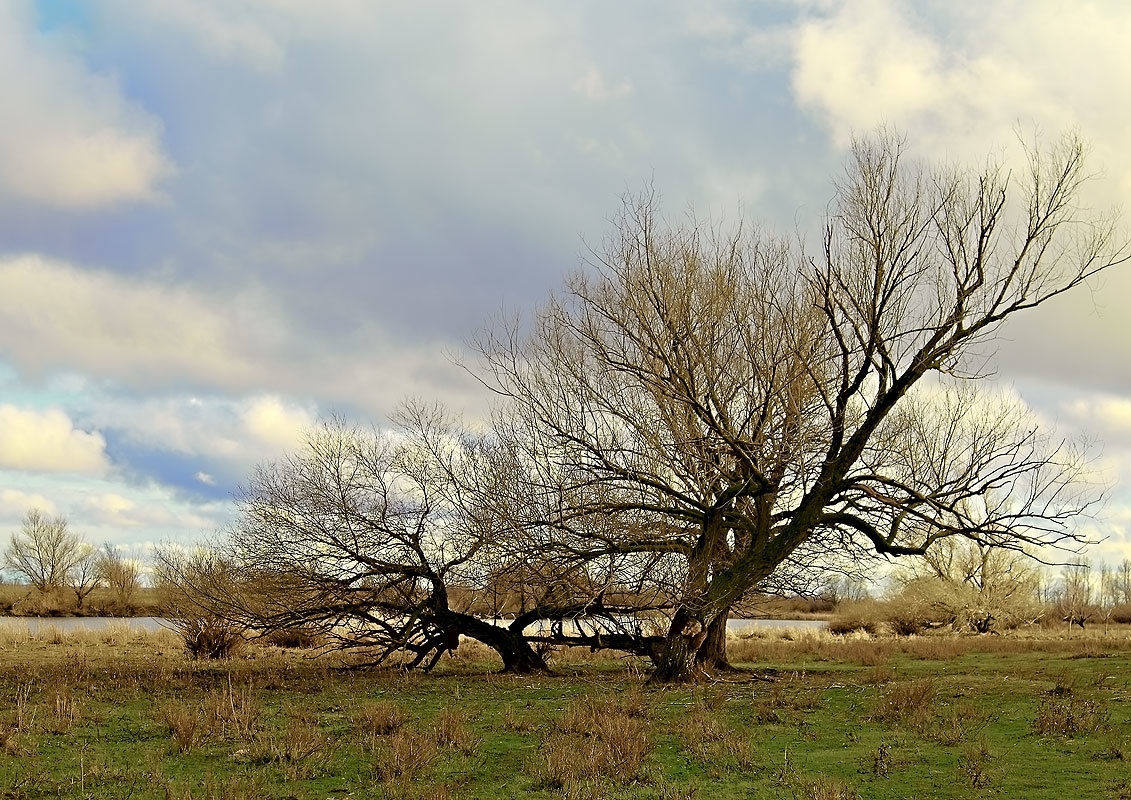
84, 717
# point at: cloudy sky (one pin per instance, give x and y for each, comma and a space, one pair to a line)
220, 219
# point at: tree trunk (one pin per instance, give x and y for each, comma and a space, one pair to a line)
513, 648
676, 659
713, 653
517, 654
520, 658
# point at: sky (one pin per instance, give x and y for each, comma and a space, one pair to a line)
223, 219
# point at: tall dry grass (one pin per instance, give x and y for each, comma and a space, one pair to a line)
768, 645
596, 742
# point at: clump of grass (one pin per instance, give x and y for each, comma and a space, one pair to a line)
879, 673
380, 719
1118, 748
296, 748
450, 731
406, 790
671, 791
23, 712
594, 742
974, 764
184, 724
14, 634
404, 756
514, 722
234, 710
822, 789
234, 788
117, 633
64, 710
716, 744
1069, 716
906, 702
956, 723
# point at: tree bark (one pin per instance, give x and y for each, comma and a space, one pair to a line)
713, 652
512, 646
676, 659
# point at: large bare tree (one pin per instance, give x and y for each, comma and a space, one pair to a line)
723, 402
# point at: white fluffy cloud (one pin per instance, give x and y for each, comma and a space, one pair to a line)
274, 423
959, 78
70, 138
15, 503
241, 431
54, 315
145, 333
1104, 414
47, 441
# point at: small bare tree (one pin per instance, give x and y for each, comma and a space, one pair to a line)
45, 553
1075, 602
84, 576
198, 588
122, 575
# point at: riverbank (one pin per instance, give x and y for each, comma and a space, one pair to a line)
25, 601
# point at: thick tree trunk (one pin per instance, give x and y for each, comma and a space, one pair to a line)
519, 657
676, 659
517, 654
712, 654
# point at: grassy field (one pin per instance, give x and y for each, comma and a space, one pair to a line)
122, 714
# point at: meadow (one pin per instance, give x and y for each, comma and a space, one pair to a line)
120, 713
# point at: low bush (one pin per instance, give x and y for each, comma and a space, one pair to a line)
1069, 715
844, 625
209, 637
902, 702
294, 638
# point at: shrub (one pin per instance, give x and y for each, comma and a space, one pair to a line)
844, 625
1121, 613
1069, 715
209, 637
904, 623
974, 764
294, 638
906, 701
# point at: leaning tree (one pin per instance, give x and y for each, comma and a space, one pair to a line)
363, 536
719, 403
